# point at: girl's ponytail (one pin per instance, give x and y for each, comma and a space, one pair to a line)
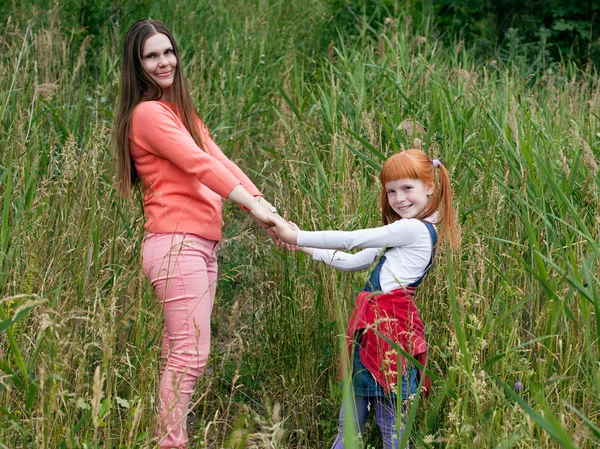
444, 196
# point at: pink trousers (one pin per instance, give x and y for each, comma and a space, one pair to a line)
182, 269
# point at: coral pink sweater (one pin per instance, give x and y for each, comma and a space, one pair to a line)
182, 184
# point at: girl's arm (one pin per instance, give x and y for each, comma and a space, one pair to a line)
337, 259
345, 261
305, 250
400, 233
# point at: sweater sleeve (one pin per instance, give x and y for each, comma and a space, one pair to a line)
400, 233
216, 152
346, 261
156, 129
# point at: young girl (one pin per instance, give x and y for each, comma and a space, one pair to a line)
414, 200
162, 143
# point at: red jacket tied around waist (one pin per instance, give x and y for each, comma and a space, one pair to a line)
395, 316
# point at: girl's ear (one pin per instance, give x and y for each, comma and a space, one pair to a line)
430, 189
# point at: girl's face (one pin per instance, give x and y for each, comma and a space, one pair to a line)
408, 197
159, 60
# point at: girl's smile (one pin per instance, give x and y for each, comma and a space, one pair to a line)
408, 197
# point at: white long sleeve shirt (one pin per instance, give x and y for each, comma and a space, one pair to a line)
408, 244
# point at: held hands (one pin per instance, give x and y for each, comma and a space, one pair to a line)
284, 234
266, 216
264, 213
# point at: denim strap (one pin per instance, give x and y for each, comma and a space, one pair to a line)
373, 284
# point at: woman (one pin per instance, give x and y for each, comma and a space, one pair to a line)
162, 142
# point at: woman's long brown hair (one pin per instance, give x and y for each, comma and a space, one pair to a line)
415, 164
138, 86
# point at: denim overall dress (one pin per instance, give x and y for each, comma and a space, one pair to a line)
363, 381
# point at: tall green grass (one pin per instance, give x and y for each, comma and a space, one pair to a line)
519, 302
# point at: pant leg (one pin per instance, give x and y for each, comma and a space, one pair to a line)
386, 415
359, 416
183, 271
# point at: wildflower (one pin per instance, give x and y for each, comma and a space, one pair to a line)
518, 386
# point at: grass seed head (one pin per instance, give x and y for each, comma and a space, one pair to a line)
412, 128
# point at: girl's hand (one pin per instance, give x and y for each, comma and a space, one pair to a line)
289, 246
304, 249
285, 232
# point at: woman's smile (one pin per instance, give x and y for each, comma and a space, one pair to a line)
159, 60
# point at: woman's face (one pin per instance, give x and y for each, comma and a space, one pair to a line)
159, 60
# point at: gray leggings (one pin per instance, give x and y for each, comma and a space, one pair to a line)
386, 414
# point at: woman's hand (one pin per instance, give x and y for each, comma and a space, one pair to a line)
263, 212
266, 216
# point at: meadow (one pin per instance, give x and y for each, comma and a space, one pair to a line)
309, 113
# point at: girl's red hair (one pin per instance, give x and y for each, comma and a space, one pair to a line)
415, 164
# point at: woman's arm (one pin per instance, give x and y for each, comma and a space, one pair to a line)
156, 129
213, 149
263, 212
